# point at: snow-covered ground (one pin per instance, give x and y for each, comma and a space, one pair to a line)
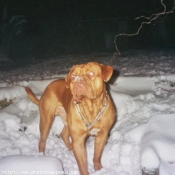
142, 138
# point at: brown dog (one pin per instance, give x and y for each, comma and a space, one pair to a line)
84, 106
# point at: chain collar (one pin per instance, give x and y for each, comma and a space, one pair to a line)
97, 118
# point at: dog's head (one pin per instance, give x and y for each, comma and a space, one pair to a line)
87, 80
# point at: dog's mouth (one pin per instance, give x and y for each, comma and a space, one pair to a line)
78, 94
81, 91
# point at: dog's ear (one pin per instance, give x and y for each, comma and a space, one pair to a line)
106, 72
67, 80
68, 77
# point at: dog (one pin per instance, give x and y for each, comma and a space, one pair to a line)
84, 105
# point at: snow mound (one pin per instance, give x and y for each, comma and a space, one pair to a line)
157, 140
30, 165
120, 100
12, 92
10, 121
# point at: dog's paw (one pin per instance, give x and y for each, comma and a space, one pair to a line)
97, 166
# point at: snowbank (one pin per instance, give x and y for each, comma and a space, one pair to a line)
143, 85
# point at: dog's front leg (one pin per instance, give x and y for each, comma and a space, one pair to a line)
78, 143
100, 141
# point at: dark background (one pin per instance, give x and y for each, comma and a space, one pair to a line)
44, 28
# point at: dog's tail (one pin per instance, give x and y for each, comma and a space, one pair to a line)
32, 96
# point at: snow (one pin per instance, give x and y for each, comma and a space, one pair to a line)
157, 140
30, 165
142, 138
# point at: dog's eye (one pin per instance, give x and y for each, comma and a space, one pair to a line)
73, 76
90, 74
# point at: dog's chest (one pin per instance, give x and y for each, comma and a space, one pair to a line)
94, 131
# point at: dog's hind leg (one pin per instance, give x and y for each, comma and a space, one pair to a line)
46, 120
65, 136
45, 126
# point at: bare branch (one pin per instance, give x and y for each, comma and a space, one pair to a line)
151, 18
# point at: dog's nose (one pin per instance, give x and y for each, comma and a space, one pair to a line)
79, 80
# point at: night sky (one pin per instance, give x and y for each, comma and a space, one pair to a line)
56, 27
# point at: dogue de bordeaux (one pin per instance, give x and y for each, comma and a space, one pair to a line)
85, 107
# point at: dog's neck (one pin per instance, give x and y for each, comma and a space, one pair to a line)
90, 109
